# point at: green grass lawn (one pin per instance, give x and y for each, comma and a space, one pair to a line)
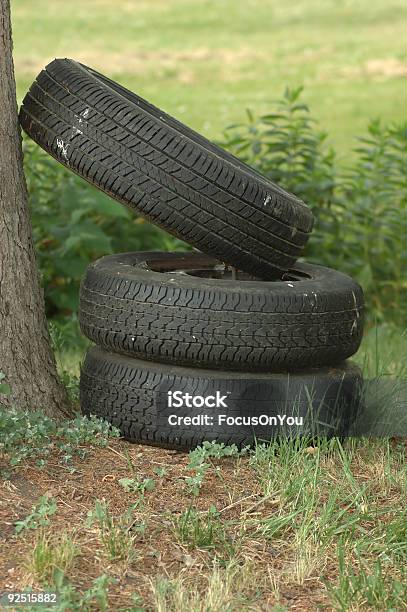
205, 61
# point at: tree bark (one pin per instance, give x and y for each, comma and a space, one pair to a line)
26, 357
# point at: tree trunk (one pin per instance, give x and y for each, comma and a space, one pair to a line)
26, 357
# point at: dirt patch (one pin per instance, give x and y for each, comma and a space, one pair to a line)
391, 67
177, 64
377, 68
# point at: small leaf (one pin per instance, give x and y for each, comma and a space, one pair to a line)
5, 389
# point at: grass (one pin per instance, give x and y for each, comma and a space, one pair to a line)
200, 530
206, 61
50, 554
115, 533
223, 590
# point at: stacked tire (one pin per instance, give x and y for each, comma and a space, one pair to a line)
235, 342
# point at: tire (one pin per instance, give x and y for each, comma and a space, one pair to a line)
133, 396
179, 316
163, 170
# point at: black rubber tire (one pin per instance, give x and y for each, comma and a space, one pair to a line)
132, 395
127, 306
165, 171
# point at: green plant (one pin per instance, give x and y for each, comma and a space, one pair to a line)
160, 471
49, 554
136, 604
285, 146
39, 515
374, 215
200, 467
369, 586
4, 387
396, 536
201, 529
66, 338
194, 483
33, 435
198, 530
360, 210
70, 598
214, 449
116, 533
131, 485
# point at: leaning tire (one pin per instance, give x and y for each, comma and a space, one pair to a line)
165, 171
133, 395
166, 307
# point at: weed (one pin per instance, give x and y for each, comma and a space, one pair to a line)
129, 462
39, 515
136, 604
33, 435
161, 471
213, 449
198, 464
201, 529
229, 589
194, 483
50, 554
131, 485
369, 586
70, 598
116, 533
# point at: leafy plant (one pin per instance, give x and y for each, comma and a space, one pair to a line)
4, 387
160, 471
360, 210
131, 485
116, 533
70, 598
285, 146
197, 462
194, 483
374, 216
39, 515
217, 450
33, 435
